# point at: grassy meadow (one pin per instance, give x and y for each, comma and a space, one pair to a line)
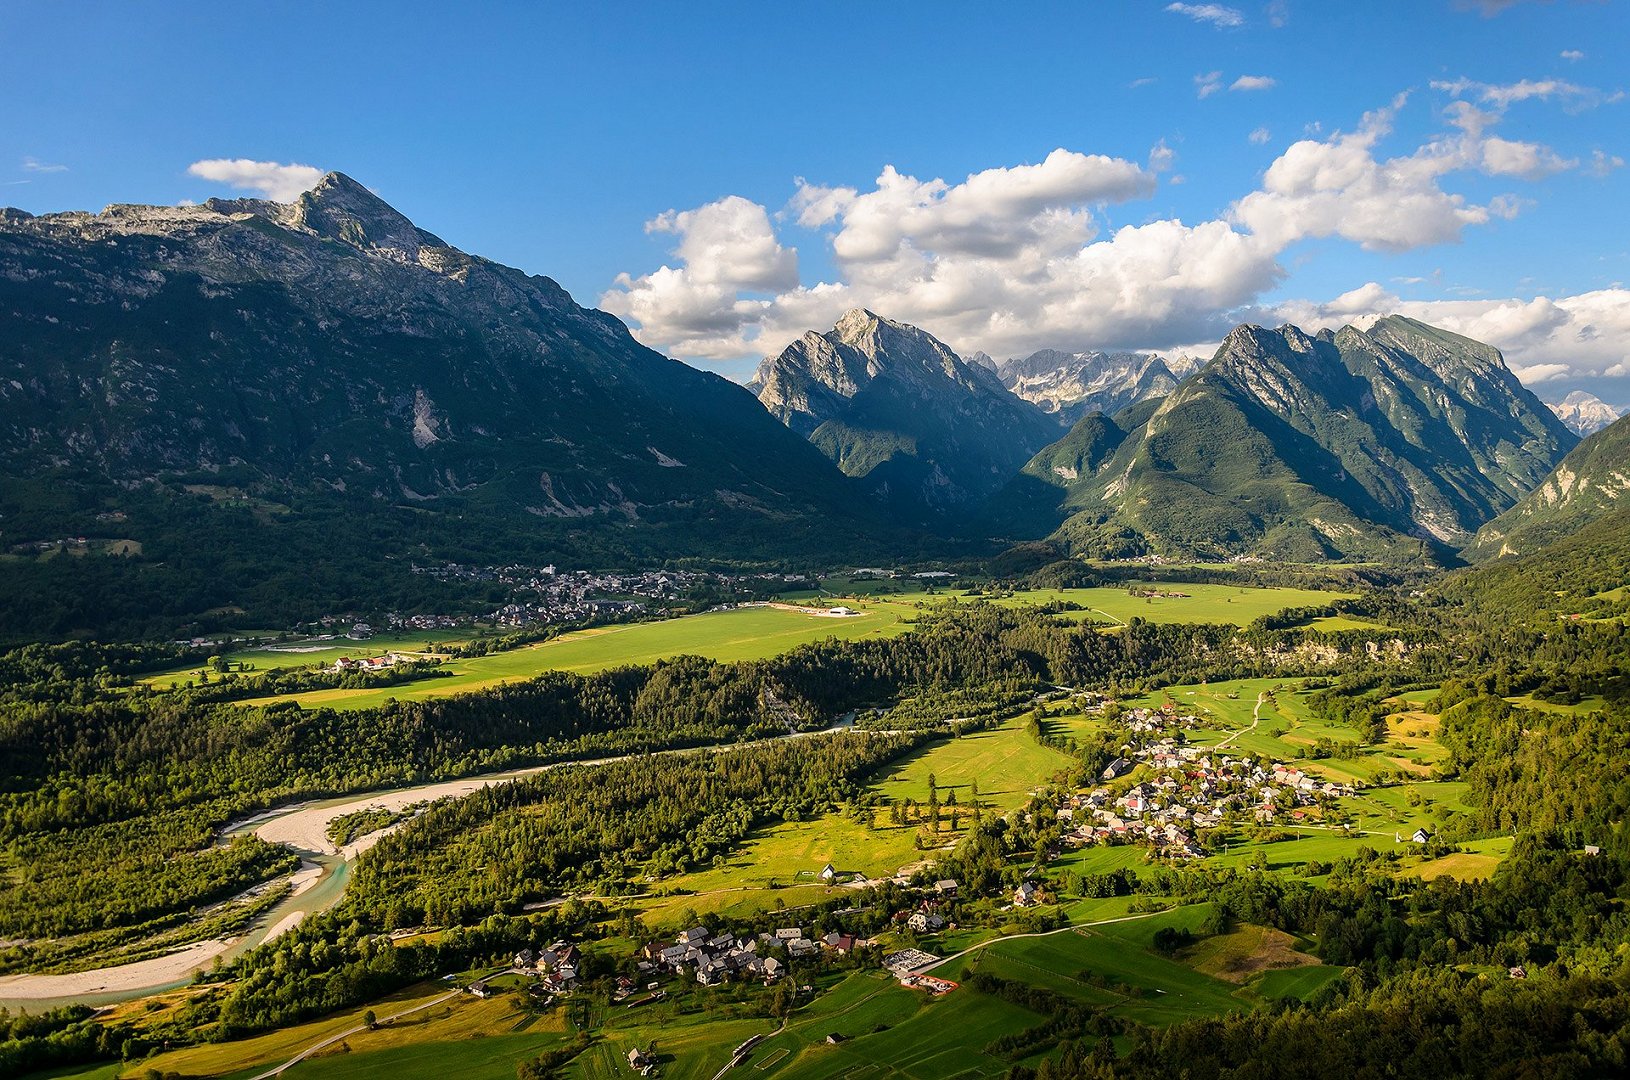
738, 634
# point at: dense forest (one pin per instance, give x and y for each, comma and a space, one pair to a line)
112, 796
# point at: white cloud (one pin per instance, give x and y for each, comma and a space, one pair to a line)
1504, 95
995, 212
1161, 157
1340, 187
1571, 54
1602, 163
1254, 82
1147, 80
1215, 14
1543, 338
1208, 83
1260, 136
726, 248
1503, 157
1013, 259
35, 165
270, 179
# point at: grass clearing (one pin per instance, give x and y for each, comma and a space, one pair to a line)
1005, 762
748, 633
1236, 604
460, 1018
1244, 953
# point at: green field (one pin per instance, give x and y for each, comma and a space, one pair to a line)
759, 873
1236, 604
1005, 762
1110, 965
303, 652
738, 634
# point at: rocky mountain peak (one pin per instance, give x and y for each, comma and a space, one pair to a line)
1584, 413
339, 208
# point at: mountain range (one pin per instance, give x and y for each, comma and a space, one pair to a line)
1394, 442
254, 401
1071, 385
328, 379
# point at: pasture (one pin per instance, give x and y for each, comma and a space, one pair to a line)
463, 1036
1235, 604
1005, 762
748, 633
304, 652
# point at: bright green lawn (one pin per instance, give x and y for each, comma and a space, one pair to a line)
1237, 604
738, 634
489, 1058
1299, 983
304, 652
1005, 762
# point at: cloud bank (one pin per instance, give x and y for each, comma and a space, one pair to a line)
1012, 259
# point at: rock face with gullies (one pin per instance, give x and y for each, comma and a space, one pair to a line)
1395, 442
1592, 482
330, 345
1075, 384
894, 405
1585, 414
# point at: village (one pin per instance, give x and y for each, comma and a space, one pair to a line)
1182, 788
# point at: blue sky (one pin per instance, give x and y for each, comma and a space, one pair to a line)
1485, 191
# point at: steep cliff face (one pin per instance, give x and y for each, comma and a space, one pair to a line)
894, 405
332, 342
1073, 385
1379, 443
1590, 484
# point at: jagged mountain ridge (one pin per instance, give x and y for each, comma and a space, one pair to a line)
1075, 384
1584, 413
1391, 442
890, 403
1592, 482
331, 345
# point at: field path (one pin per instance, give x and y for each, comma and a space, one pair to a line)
1039, 933
1256, 718
348, 1032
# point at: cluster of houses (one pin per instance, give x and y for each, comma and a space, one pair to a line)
369, 663
714, 958
1188, 788
556, 967
547, 594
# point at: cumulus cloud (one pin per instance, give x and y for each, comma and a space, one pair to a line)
1254, 82
269, 179
1215, 14
1260, 136
1504, 95
725, 249
1017, 258
1208, 83
1602, 163
35, 165
1571, 54
1338, 187
1543, 338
